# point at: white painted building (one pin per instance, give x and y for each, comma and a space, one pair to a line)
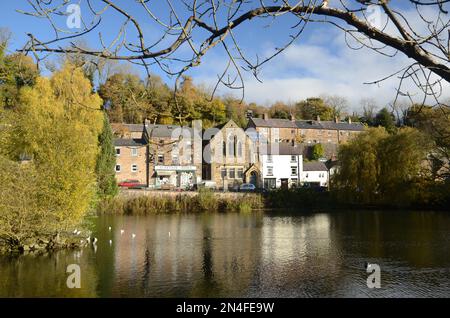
315, 174
281, 166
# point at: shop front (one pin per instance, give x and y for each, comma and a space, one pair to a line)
175, 177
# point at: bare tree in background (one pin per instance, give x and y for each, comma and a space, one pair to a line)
197, 26
339, 104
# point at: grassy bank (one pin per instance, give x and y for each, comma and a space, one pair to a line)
204, 201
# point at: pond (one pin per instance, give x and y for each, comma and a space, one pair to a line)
246, 255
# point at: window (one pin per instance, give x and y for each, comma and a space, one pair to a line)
293, 171
269, 158
117, 168
239, 149
231, 173
117, 151
224, 149
175, 159
232, 146
161, 159
270, 171
223, 173
134, 168
240, 173
134, 152
292, 131
270, 183
293, 158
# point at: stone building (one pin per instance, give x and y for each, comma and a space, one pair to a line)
229, 157
306, 132
131, 160
174, 156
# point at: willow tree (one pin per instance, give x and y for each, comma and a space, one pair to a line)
381, 168
358, 174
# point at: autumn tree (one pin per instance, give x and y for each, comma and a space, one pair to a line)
56, 124
312, 109
381, 168
16, 71
126, 99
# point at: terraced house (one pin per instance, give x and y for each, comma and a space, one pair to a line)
306, 132
157, 156
269, 153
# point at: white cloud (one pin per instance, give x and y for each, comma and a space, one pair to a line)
321, 64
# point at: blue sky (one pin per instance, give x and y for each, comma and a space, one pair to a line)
318, 63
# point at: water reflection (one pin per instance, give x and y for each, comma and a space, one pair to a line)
246, 255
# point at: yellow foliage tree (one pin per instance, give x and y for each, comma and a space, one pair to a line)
57, 124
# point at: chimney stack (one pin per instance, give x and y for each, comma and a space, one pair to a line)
265, 116
336, 119
292, 117
349, 120
318, 118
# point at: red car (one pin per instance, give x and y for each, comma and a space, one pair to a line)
131, 184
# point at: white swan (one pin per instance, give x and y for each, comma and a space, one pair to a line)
95, 241
133, 235
121, 232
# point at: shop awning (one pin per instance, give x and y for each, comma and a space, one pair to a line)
165, 172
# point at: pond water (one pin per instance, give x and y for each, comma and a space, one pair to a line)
246, 255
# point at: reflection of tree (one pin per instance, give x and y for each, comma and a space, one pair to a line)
44, 275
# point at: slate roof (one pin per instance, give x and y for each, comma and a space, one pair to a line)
168, 131
282, 149
129, 142
130, 127
306, 124
314, 166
